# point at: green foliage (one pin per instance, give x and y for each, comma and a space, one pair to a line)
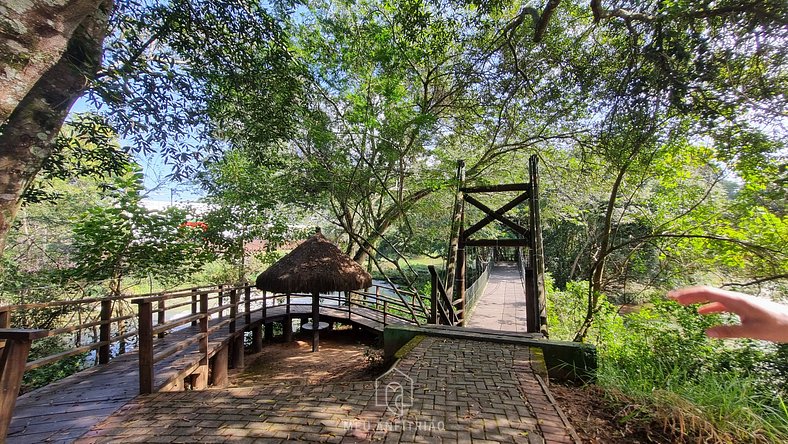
126, 239
183, 77
660, 358
86, 147
246, 202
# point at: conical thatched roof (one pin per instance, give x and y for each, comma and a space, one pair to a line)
317, 265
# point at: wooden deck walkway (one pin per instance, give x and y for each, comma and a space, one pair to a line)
63, 411
502, 306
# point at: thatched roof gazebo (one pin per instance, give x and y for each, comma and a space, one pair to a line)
316, 266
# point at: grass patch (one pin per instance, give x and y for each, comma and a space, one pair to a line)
657, 366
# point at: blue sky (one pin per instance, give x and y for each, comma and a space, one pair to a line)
160, 189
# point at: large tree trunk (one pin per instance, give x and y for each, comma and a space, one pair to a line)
34, 36
49, 54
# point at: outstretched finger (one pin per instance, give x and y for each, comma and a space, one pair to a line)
713, 307
730, 331
695, 295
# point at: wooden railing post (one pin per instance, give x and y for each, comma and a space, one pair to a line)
287, 323
221, 300
377, 296
145, 322
265, 304
233, 309
248, 304
12, 367
194, 305
202, 374
105, 330
161, 318
5, 322
237, 340
385, 311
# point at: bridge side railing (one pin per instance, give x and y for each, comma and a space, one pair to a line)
199, 313
475, 291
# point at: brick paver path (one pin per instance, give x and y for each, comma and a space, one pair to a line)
462, 391
502, 306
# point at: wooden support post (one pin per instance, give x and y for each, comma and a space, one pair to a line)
236, 337
257, 339
233, 309
385, 312
269, 331
238, 351
536, 230
459, 286
201, 381
194, 305
265, 305
248, 305
377, 296
12, 366
287, 327
160, 315
121, 332
456, 223
105, 330
220, 366
315, 322
145, 322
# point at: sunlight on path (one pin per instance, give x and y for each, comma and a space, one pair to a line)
502, 306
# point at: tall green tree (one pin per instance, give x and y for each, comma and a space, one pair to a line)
246, 202
123, 239
172, 77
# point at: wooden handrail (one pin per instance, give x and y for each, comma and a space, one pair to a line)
244, 306
12, 367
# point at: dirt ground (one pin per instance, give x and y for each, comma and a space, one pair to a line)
598, 421
344, 356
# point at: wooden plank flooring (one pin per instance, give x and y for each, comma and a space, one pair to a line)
502, 306
64, 410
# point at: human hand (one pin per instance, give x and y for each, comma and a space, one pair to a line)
760, 318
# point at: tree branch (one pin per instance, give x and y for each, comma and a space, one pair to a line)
756, 281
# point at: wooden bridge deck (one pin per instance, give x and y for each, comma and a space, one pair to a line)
502, 306
65, 410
